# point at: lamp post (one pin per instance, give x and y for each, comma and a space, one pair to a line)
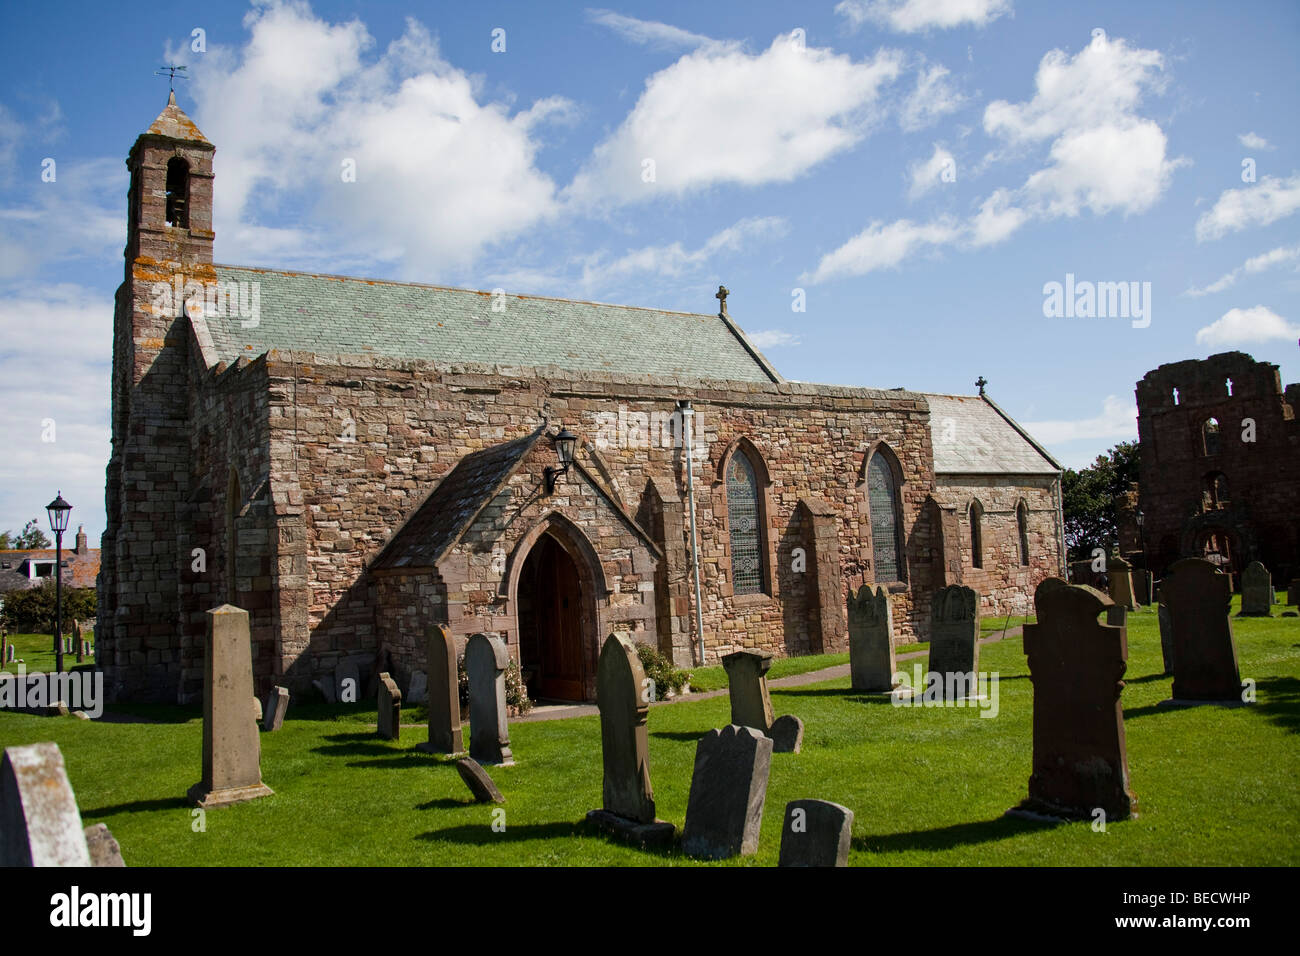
564, 442
58, 510
1146, 568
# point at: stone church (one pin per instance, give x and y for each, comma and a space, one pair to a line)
353, 460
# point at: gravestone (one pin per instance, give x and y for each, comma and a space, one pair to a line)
257, 711
277, 702
326, 688
231, 750
485, 664
623, 697
787, 734
1205, 656
4, 648
104, 850
1293, 593
1117, 615
390, 708
419, 688
1120, 574
85, 650
1256, 591
444, 693
345, 692
954, 639
1076, 665
747, 682
1143, 587
1166, 637
9, 659
77, 643
871, 641
816, 833
724, 811
40, 824
478, 781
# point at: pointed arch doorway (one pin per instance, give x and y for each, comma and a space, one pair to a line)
554, 618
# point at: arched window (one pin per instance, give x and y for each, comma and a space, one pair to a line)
976, 534
1216, 491
882, 504
232, 536
178, 193
744, 526
1210, 437
1022, 526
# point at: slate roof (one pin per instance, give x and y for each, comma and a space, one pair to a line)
174, 124
985, 440
337, 315
81, 572
440, 520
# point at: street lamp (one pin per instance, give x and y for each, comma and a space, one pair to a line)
564, 442
58, 510
1146, 567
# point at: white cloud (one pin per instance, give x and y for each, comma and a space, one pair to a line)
881, 246
997, 219
926, 174
1118, 167
697, 121
933, 97
772, 339
1244, 326
1117, 420
659, 36
1252, 141
915, 16
79, 216
1261, 204
674, 259
1255, 264
440, 174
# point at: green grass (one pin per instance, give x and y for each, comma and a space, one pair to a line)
37, 650
715, 677
928, 786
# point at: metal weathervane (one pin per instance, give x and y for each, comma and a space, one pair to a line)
173, 72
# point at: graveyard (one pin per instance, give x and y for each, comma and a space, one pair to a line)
927, 786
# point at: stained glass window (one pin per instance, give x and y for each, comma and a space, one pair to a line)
976, 534
1022, 525
882, 503
743, 524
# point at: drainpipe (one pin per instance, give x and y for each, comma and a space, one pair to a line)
1060, 530
688, 417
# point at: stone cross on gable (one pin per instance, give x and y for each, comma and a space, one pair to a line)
721, 296
980, 383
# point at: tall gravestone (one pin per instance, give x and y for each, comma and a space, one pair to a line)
1166, 637
485, 665
390, 708
40, 824
816, 833
1120, 574
954, 639
232, 753
871, 641
728, 787
1076, 665
78, 646
1256, 591
444, 693
1293, 593
1198, 595
751, 705
623, 697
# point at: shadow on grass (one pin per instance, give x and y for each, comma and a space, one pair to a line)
687, 735
396, 761
370, 745
481, 834
1279, 700
1147, 678
947, 838
138, 806
448, 803
150, 714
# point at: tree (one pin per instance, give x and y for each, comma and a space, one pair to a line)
31, 538
32, 610
1090, 497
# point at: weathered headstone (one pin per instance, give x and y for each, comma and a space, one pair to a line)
231, 750
9, 658
277, 702
85, 650
40, 824
104, 850
816, 833
1205, 655
623, 696
1143, 587
390, 708
724, 811
1256, 591
478, 781
1166, 637
347, 683
1293, 593
77, 643
485, 665
954, 640
1077, 667
751, 706
257, 711
444, 694
1117, 615
1120, 574
419, 688
787, 734
871, 641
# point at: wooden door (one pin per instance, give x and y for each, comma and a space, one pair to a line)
558, 601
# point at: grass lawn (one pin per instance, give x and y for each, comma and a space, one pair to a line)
928, 785
38, 652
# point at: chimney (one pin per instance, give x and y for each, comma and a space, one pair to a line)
81, 539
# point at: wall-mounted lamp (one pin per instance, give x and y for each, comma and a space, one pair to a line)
564, 442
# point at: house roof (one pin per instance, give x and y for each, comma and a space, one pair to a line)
337, 315
81, 572
174, 124
971, 435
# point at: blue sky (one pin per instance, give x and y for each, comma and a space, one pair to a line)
913, 172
